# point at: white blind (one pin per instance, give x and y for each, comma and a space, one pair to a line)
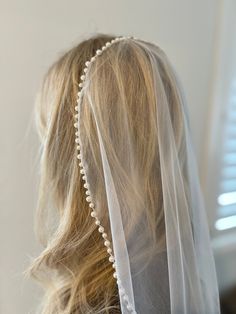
226, 215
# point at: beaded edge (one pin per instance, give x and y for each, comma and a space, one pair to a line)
107, 243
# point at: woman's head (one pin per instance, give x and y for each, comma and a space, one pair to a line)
120, 106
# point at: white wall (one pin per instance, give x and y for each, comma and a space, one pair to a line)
33, 34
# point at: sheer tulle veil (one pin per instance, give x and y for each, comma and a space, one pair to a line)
157, 223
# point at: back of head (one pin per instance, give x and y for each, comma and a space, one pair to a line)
135, 168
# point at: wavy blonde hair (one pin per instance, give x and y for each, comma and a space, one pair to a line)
74, 266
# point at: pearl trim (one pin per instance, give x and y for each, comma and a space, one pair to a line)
93, 214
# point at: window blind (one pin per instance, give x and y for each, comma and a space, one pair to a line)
226, 213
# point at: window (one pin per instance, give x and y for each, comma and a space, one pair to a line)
221, 147
226, 211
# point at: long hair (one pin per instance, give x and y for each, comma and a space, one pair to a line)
73, 267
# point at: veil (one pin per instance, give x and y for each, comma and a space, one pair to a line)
155, 211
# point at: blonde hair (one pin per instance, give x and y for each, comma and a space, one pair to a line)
74, 266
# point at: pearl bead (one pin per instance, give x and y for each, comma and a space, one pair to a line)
93, 214
109, 250
83, 177
78, 147
87, 193
79, 93
87, 63
76, 116
121, 291
111, 259
77, 140
108, 44
91, 205
82, 77
115, 275
97, 222
119, 283
85, 70
104, 48
76, 125
82, 170
80, 84
114, 265
107, 243
129, 307
93, 59
88, 198
98, 52
76, 108
86, 185
80, 164
101, 229
104, 235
